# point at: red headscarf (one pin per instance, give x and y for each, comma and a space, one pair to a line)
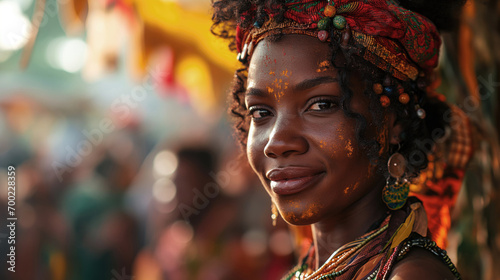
393, 35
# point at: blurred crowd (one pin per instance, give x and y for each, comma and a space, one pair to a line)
125, 204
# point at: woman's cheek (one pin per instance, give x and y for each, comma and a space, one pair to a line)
251, 147
351, 189
341, 146
255, 148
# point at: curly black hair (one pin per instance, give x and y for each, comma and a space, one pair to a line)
419, 135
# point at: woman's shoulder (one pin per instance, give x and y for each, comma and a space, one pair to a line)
419, 264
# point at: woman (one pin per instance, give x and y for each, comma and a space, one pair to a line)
337, 117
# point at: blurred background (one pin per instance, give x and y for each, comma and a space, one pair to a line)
113, 113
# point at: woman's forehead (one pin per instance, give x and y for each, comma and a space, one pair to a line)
296, 55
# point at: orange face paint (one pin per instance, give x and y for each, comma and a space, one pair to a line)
323, 66
349, 148
330, 149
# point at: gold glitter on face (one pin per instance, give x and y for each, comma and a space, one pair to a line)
279, 85
311, 211
340, 133
323, 66
348, 144
308, 213
349, 148
351, 188
330, 149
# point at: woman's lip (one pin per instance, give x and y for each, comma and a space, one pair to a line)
293, 186
286, 181
292, 172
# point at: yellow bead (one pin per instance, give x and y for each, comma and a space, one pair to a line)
329, 11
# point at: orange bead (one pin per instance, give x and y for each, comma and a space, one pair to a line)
377, 88
329, 11
385, 101
404, 98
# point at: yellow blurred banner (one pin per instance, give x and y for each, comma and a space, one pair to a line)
200, 63
186, 27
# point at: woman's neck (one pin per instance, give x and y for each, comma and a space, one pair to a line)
330, 234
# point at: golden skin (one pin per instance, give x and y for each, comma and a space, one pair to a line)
298, 127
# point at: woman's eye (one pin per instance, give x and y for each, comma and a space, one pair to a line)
259, 113
322, 105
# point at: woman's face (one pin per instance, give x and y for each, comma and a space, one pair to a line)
300, 143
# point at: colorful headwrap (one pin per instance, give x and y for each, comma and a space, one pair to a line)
402, 43
396, 40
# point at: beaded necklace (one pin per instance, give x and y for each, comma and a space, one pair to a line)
337, 263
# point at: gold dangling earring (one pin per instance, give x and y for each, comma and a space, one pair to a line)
274, 213
395, 194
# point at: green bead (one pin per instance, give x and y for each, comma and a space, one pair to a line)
339, 22
323, 23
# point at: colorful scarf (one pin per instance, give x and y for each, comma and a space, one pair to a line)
399, 41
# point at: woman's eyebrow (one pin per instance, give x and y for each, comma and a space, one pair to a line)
304, 85
255, 92
310, 83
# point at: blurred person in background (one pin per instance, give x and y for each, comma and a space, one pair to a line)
104, 237
210, 229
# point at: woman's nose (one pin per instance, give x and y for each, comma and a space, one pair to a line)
286, 138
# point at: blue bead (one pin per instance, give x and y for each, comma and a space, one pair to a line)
257, 24
388, 90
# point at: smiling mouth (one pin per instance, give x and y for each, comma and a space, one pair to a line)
288, 181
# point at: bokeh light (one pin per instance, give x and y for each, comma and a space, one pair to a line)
255, 242
67, 54
165, 163
164, 190
281, 243
15, 27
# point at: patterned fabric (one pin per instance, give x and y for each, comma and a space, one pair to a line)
374, 255
439, 184
397, 40
461, 147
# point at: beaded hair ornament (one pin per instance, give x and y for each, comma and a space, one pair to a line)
403, 43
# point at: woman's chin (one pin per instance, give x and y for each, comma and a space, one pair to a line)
299, 219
